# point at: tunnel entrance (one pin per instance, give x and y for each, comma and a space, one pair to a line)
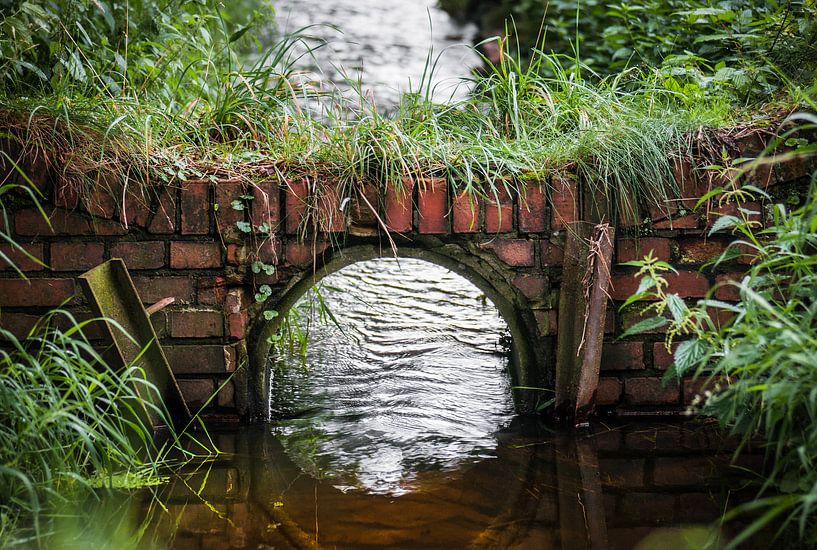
387, 371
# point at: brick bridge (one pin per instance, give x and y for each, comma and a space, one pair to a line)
209, 244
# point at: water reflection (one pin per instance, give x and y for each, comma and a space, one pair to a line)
637, 486
412, 381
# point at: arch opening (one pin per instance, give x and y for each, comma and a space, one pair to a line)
413, 378
526, 369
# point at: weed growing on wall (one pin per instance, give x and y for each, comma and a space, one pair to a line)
759, 354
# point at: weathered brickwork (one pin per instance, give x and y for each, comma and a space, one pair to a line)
197, 241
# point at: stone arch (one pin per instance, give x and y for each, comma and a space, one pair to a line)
529, 358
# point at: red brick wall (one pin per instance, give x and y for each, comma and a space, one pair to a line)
183, 240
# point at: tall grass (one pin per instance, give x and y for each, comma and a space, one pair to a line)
190, 105
762, 365
67, 426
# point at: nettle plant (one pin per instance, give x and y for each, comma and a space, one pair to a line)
757, 357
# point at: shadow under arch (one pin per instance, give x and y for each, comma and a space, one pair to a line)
528, 352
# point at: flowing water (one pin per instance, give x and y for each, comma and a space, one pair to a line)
412, 378
383, 44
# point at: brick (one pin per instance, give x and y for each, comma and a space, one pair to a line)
432, 206
661, 358
199, 359
19, 324
608, 391
236, 255
553, 254
622, 473
226, 215
726, 286
135, 212
533, 287
266, 204
761, 174
533, 210
237, 325
622, 356
197, 392
301, 254
515, 252
690, 221
733, 209
164, 219
793, 168
195, 255
631, 216
101, 202
687, 284
563, 198
700, 251
237, 300
76, 256
635, 249
211, 290
683, 471
635, 314
691, 186
699, 508
648, 507
329, 217
398, 206
66, 195
269, 251
35, 292
196, 324
195, 207
141, 254
226, 397
31, 223
153, 289
295, 203
107, 227
547, 321
499, 211
650, 391
363, 213
20, 258
465, 213
696, 387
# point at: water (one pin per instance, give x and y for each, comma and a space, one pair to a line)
384, 44
614, 487
412, 380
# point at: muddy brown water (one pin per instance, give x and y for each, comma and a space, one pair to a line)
625, 486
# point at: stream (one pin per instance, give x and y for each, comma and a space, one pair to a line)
395, 427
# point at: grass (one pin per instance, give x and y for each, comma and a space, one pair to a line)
68, 427
198, 111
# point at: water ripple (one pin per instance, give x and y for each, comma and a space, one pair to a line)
416, 380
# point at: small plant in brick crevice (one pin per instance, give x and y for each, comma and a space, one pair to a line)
756, 358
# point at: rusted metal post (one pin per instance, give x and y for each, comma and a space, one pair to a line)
582, 311
112, 294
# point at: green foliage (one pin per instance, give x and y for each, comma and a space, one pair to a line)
68, 427
745, 48
762, 362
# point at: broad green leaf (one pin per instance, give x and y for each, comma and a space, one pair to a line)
643, 326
